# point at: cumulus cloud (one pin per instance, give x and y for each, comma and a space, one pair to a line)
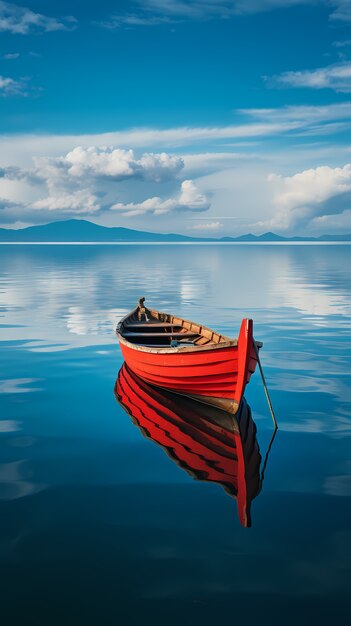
20, 20
189, 199
336, 77
73, 183
127, 181
192, 198
81, 201
109, 162
64, 175
117, 163
311, 194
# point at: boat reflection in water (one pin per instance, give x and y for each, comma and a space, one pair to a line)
208, 443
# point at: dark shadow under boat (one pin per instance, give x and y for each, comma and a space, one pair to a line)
208, 443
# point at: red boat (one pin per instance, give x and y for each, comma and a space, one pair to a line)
208, 443
189, 358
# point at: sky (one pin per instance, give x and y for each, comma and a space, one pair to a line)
204, 117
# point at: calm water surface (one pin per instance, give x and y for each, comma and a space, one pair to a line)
98, 525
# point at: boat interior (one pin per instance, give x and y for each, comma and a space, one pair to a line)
154, 329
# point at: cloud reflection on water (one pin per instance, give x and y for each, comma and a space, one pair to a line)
15, 481
65, 298
56, 293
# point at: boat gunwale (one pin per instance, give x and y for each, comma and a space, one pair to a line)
228, 343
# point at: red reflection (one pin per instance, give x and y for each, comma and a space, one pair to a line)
207, 442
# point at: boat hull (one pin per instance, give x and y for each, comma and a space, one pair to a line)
216, 375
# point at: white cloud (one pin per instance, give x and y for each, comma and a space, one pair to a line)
236, 182
342, 43
313, 185
302, 114
159, 167
109, 162
244, 7
11, 55
11, 87
205, 162
156, 12
94, 169
132, 19
257, 124
27, 145
342, 10
207, 226
189, 199
81, 201
16, 191
336, 77
311, 194
97, 170
20, 20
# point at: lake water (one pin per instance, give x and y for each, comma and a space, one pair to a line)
98, 524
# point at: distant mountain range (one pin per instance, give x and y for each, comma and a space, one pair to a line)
84, 231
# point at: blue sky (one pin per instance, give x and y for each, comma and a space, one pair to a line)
216, 117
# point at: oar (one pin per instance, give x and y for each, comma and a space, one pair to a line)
265, 387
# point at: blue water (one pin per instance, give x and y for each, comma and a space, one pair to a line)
98, 525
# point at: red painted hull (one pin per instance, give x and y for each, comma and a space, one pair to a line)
215, 375
206, 442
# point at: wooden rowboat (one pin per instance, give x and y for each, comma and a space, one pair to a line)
208, 443
188, 358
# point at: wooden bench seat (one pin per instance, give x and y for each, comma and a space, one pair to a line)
175, 335
153, 324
